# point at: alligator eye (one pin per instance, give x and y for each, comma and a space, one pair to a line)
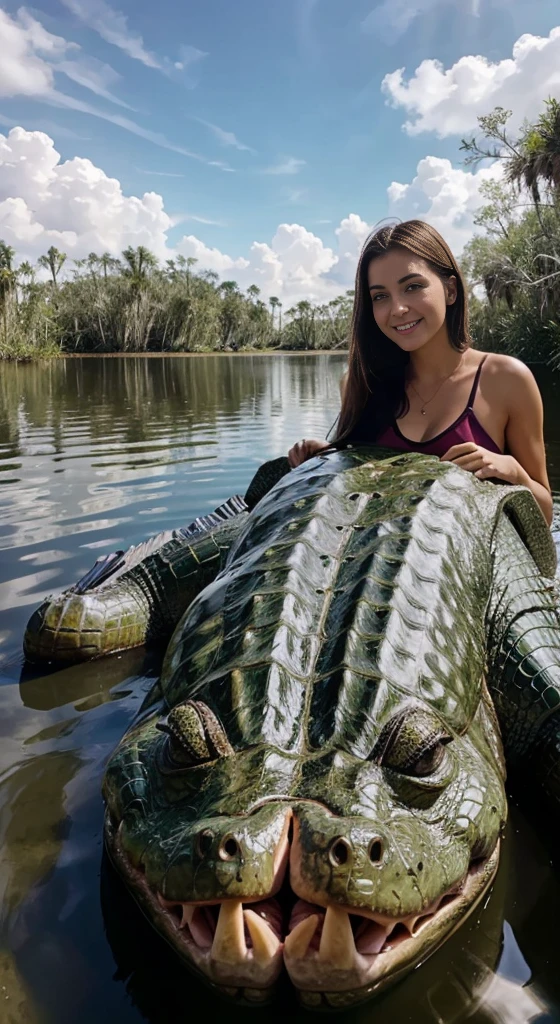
413, 743
430, 761
194, 735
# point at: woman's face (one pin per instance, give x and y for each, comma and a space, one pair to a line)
409, 300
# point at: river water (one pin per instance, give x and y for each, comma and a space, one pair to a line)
96, 454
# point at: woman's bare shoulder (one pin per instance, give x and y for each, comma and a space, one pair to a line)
506, 370
499, 367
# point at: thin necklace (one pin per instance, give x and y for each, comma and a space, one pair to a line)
428, 400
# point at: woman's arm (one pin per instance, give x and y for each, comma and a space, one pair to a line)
525, 462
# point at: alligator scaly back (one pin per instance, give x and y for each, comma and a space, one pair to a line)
325, 703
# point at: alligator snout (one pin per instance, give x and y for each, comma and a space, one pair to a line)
214, 859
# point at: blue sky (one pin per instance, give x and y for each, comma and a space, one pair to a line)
280, 102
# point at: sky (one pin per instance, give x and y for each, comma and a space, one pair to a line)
265, 138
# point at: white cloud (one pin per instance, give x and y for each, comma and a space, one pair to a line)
449, 101
221, 165
25, 72
351, 233
445, 196
94, 75
72, 205
112, 26
77, 207
226, 138
160, 174
290, 165
22, 71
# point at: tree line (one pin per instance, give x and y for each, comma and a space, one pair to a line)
133, 304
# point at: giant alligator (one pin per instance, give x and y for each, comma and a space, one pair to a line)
317, 780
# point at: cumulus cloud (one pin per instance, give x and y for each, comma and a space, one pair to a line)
351, 234
446, 196
23, 72
72, 205
448, 101
77, 207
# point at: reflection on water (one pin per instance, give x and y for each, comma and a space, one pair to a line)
96, 454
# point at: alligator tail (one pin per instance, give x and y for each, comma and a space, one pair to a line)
131, 598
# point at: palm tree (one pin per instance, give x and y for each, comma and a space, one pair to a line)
26, 270
139, 262
229, 288
253, 291
538, 159
274, 302
107, 262
53, 262
7, 283
210, 276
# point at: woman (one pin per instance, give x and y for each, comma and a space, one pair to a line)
413, 381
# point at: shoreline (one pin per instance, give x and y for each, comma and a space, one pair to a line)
174, 355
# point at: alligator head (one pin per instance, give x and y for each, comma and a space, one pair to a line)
321, 788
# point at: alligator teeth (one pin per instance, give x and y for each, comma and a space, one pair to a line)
297, 942
229, 940
265, 943
337, 941
188, 914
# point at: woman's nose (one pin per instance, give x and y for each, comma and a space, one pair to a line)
399, 307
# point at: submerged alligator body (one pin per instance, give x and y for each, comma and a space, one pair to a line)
316, 783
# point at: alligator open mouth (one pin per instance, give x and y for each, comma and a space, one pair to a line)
241, 946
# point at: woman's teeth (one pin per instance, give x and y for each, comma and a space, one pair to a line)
408, 327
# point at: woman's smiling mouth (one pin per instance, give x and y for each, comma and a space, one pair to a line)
407, 328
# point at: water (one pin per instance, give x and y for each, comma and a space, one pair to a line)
96, 454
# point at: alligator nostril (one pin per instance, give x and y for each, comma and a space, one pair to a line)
229, 848
375, 851
340, 852
204, 842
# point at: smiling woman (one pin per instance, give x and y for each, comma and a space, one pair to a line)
415, 384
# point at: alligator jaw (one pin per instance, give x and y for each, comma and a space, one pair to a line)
236, 946
330, 950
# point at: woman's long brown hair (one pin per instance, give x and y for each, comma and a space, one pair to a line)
376, 365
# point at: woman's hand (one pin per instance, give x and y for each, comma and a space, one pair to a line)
303, 450
484, 464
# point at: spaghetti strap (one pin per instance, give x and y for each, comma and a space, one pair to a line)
476, 382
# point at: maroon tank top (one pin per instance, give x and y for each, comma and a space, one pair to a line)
465, 428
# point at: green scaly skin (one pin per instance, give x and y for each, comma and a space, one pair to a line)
331, 702
145, 602
142, 605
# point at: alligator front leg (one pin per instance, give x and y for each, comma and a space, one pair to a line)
524, 662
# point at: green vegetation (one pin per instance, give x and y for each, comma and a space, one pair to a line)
135, 305
516, 264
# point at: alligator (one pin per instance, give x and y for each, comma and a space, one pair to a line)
316, 783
